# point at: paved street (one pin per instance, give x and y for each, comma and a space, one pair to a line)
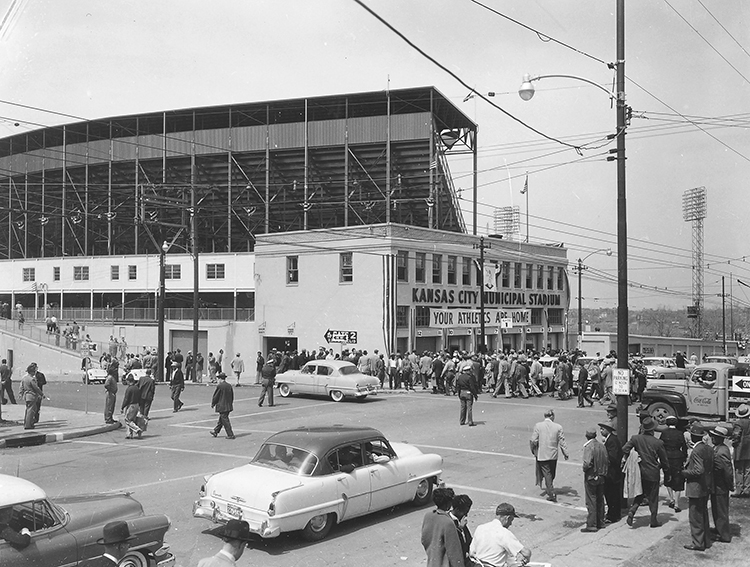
492, 463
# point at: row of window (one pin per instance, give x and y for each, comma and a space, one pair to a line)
422, 316
171, 272
346, 269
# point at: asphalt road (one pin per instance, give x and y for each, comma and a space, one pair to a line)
492, 463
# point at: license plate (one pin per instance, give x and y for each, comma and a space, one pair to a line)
233, 510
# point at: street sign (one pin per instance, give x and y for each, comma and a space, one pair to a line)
347, 337
506, 323
621, 381
741, 384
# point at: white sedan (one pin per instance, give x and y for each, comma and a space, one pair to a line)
311, 478
335, 378
664, 368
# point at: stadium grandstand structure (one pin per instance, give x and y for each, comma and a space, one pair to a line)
119, 186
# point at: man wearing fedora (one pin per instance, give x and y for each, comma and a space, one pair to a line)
699, 474
595, 467
236, 535
613, 479
116, 541
653, 457
222, 401
494, 543
741, 444
723, 484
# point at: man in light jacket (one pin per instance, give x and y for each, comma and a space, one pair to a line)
547, 441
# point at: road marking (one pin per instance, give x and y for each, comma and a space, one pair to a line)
519, 496
493, 453
155, 448
253, 414
165, 410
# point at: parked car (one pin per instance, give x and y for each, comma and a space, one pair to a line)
717, 358
311, 478
64, 531
664, 368
548, 372
335, 378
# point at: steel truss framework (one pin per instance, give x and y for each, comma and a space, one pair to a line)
99, 187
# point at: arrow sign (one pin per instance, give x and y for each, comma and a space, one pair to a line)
347, 337
741, 384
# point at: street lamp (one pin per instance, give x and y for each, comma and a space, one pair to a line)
581, 267
160, 316
618, 96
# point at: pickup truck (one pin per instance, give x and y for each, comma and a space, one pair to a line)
711, 392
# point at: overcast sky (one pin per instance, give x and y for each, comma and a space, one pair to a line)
687, 63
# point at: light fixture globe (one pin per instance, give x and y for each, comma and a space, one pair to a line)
526, 91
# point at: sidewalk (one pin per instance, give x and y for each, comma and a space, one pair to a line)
55, 424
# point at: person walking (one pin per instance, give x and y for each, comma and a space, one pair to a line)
268, 380
468, 392
583, 384
222, 402
676, 447
494, 544
6, 383
30, 393
699, 474
723, 484
259, 362
440, 537
741, 444
147, 386
547, 441
177, 384
41, 381
653, 456
595, 468
131, 403
236, 536
613, 480
238, 367
110, 398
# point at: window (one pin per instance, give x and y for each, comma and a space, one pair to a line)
346, 270
132, 273
292, 269
34, 516
555, 316
529, 275
346, 458
80, 273
402, 266
214, 271
540, 277
517, 274
506, 275
419, 267
402, 316
422, 316
114, 273
29, 274
536, 317
560, 277
452, 266
550, 276
172, 271
56, 273
437, 268
466, 271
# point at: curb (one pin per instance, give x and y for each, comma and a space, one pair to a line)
33, 439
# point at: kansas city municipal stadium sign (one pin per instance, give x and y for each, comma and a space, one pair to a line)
443, 318
471, 297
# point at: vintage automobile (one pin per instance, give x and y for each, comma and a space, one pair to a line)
311, 478
65, 531
335, 378
723, 359
663, 367
548, 373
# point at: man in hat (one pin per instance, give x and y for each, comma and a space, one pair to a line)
546, 441
612, 415
116, 541
741, 444
222, 401
236, 535
30, 393
177, 384
699, 474
595, 467
268, 380
723, 484
653, 457
494, 543
613, 479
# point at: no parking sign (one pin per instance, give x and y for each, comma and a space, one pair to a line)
621, 381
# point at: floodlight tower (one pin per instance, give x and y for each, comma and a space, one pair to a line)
507, 221
694, 210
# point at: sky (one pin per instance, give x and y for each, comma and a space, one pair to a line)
687, 64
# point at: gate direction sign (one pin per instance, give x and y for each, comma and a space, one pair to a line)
741, 384
347, 337
621, 381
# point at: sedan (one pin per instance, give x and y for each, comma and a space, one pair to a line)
310, 478
664, 368
65, 531
335, 378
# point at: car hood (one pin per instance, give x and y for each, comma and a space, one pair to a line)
250, 485
404, 450
95, 509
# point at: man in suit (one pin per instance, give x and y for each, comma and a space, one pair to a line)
110, 398
546, 441
613, 479
440, 537
177, 384
116, 541
741, 444
595, 466
222, 401
147, 386
459, 513
268, 380
699, 474
236, 535
30, 393
723, 484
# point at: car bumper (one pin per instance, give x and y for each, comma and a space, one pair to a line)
168, 561
202, 509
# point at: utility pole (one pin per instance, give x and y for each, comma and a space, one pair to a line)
482, 246
723, 317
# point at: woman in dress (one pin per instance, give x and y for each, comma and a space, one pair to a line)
676, 446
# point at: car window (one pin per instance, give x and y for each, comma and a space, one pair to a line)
378, 448
346, 370
324, 370
308, 369
291, 459
346, 458
34, 516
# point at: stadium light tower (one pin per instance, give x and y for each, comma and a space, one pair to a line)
694, 210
